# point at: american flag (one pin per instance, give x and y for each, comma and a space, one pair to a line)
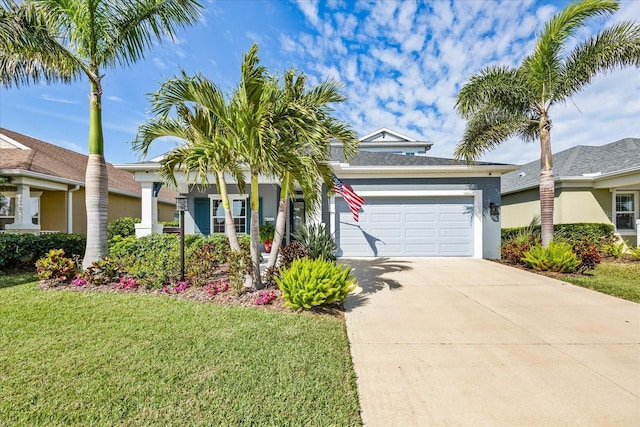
353, 200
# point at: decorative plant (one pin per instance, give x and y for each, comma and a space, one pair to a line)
317, 240
126, 282
635, 252
265, 297
176, 287
588, 254
266, 232
558, 256
56, 267
104, 272
615, 250
237, 270
217, 287
79, 281
294, 250
309, 283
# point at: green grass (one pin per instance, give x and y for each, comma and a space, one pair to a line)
83, 359
617, 279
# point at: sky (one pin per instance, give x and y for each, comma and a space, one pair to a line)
401, 64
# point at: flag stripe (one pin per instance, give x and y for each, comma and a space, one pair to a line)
354, 201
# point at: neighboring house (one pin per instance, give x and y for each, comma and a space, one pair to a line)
592, 184
415, 205
42, 188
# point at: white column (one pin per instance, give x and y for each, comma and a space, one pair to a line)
70, 208
23, 212
332, 215
149, 212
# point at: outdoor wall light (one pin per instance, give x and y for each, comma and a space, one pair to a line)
494, 209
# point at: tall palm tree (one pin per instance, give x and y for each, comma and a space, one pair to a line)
202, 121
63, 41
502, 102
304, 146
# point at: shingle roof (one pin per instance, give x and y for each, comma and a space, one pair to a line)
59, 162
580, 160
371, 158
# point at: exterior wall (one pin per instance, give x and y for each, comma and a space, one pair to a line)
583, 205
520, 209
166, 211
123, 206
270, 194
53, 211
490, 187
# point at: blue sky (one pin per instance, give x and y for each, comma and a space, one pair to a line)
401, 64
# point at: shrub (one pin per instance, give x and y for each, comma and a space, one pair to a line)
124, 227
615, 250
56, 267
126, 282
104, 272
217, 287
558, 256
635, 252
265, 297
237, 270
205, 262
309, 283
588, 254
600, 234
317, 240
20, 251
513, 250
266, 232
291, 252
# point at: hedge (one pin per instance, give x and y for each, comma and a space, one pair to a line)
598, 233
21, 251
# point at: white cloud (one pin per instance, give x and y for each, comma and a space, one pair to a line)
56, 99
159, 63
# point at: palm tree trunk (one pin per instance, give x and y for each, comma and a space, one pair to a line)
547, 186
255, 232
281, 221
229, 225
96, 184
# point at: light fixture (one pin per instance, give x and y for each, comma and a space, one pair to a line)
182, 203
182, 206
494, 209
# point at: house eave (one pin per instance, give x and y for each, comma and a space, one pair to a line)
39, 176
421, 171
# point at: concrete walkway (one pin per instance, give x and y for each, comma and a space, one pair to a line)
469, 342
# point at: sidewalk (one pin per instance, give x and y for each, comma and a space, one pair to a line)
461, 342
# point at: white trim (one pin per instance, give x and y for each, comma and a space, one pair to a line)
230, 198
614, 211
13, 142
477, 208
401, 137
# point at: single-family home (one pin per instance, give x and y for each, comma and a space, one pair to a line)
42, 188
415, 205
597, 184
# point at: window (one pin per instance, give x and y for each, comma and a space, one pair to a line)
625, 211
238, 209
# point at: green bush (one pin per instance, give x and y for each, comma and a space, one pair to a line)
56, 267
20, 251
309, 283
615, 250
635, 252
317, 240
154, 260
124, 227
104, 272
600, 234
558, 256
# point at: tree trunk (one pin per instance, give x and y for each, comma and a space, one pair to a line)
96, 184
281, 222
229, 225
547, 185
255, 233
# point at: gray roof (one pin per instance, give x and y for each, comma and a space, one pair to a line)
372, 158
581, 160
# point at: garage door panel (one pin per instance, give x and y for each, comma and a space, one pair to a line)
407, 227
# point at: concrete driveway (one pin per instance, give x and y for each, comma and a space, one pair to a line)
469, 342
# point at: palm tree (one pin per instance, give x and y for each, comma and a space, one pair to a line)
202, 122
305, 145
55, 41
502, 102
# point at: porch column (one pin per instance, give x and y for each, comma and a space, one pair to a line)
149, 212
23, 212
332, 215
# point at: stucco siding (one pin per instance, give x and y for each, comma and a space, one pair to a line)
583, 205
520, 209
53, 211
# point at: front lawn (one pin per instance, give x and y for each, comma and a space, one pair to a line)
79, 358
613, 278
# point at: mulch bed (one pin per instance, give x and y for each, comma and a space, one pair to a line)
229, 297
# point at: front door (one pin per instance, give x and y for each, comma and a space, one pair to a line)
297, 216
202, 216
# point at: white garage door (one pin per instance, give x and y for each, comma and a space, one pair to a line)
431, 226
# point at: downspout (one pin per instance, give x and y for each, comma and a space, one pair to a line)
70, 208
